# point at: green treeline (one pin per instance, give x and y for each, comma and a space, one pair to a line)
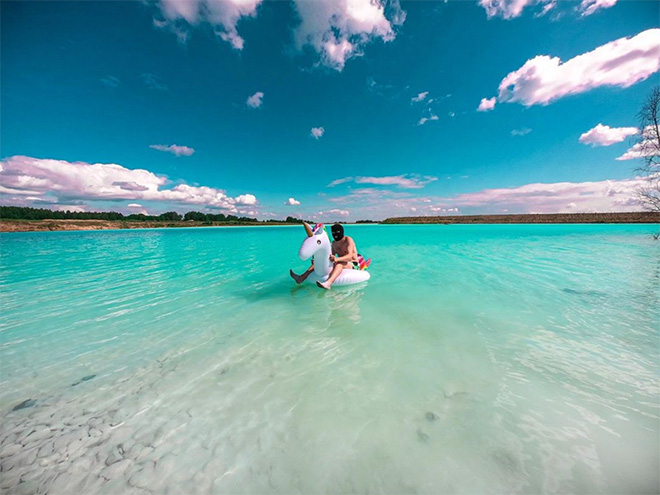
26, 213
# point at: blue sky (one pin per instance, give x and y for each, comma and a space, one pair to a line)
347, 109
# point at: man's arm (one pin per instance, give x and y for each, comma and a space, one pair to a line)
352, 252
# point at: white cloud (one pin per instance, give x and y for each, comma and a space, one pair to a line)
292, 202
335, 29
55, 179
521, 132
134, 205
547, 8
111, 81
601, 196
402, 181
174, 149
588, 7
419, 97
508, 9
620, 63
569, 197
153, 82
181, 32
604, 135
339, 29
635, 152
336, 182
486, 104
246, 200
440, 209
73, 208
256, 100
222, 15
649, 147
424, 120
317, 132
334, 212
343, 213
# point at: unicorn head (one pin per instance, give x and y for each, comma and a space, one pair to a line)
317, 240
316, 244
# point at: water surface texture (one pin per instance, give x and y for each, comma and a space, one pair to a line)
477, 359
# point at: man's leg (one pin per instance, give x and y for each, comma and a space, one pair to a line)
301, 278
336, 270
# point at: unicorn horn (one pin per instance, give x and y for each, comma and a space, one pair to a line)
308, 229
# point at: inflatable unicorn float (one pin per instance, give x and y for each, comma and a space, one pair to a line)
318, 244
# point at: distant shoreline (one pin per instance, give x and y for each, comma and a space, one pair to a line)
57, 225
552, 218
546, 218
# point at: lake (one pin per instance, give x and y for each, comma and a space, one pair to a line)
477, 359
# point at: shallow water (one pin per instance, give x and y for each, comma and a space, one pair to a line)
477, 359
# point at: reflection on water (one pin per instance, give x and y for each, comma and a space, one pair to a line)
518, 359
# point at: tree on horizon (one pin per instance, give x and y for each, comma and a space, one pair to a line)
647, 147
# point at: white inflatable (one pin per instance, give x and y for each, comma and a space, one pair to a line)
318, 245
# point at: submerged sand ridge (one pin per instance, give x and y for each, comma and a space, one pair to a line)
73, 443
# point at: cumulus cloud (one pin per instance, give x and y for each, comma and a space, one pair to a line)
175, 149
339, 29
335, 29
317, 132
56, 179
292, 202
246, 200
604, 135
256, 100
620, 63
222, 15
419, 97
402, 181
588, 7
486, 104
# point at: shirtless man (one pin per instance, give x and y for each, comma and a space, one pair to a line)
346, 251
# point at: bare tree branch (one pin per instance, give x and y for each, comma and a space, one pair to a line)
647, 148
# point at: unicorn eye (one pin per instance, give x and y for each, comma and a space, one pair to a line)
318, 242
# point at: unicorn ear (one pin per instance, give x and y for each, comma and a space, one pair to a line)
319, 229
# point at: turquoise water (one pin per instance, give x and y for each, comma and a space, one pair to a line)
477, 359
